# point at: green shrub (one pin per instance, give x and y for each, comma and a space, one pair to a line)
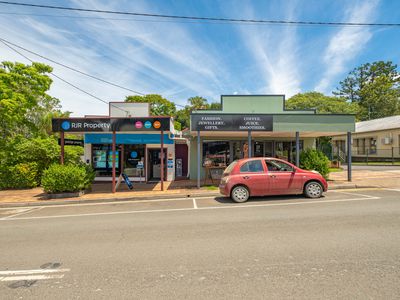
312, 159
72, 155
65, 178
20, 176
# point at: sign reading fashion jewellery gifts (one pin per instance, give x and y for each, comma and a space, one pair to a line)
110, 124
230, 122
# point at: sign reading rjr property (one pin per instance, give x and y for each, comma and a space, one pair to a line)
230, 122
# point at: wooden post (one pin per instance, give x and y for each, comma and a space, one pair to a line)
348, 156
62, 147
162, 159
122, 159
113, 161
249, 144
198, 159
297, 149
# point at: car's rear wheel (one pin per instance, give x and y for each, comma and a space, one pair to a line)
313, 189
240, 194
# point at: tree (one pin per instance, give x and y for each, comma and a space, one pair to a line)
322, 103
24, 101
159, 106
194, 103
361, 84
379, 99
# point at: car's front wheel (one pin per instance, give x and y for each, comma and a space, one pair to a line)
240, 194
313, 189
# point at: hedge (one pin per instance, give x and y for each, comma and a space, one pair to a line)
66, 178
19, 176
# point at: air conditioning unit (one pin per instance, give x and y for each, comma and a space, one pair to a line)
387, 140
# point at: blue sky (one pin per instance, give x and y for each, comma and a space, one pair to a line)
180, 59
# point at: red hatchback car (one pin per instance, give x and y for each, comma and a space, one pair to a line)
264, 176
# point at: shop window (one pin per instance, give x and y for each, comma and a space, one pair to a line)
253, 166
258, 149
216, 153
102, 159
133, 154
287, 150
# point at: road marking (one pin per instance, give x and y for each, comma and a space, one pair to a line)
396, 190
110, 203
31, 272
188, 209
31, 277
25, 211
356, 194
37, 274
194, 204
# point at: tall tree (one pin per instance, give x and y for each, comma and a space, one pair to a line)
322, 103
25, 106
159, 106
368, 85
194, 103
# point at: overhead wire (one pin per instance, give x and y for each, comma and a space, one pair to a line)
65, 81
72, 68
197, 18
6, 42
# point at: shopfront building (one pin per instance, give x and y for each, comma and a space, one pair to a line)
138, 145
256, 126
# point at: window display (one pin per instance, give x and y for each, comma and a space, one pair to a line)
216, 153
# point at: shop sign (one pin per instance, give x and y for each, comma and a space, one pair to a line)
110, 124
71, 142
230, 122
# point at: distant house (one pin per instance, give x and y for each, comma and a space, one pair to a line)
377, 140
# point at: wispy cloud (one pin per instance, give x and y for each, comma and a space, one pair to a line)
274, 51
347, 42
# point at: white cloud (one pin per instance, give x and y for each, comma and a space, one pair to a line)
274, 50
162, 58
347, 43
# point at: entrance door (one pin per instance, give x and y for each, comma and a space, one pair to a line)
181, 160
154, 165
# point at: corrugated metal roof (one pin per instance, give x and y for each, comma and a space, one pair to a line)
392, 122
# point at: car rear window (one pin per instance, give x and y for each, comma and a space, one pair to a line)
229, 169
252, 166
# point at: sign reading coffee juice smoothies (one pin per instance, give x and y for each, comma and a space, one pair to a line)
110, 124
230, 122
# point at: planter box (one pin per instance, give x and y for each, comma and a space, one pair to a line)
64, 195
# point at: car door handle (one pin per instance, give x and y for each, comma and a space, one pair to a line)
272, 176
246, 177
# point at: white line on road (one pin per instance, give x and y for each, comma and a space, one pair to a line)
188, 209
111, 202
194, 204
355, 194
30, 272
396, 190
32, 277
25, 211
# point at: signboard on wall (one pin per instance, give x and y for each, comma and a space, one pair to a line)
71, 142
230, 122
111, 124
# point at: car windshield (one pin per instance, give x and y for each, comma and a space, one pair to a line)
229, 169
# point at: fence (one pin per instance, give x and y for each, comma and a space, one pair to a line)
387, 156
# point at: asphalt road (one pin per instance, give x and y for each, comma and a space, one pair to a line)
345, 245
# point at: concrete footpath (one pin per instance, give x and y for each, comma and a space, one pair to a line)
389, 178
